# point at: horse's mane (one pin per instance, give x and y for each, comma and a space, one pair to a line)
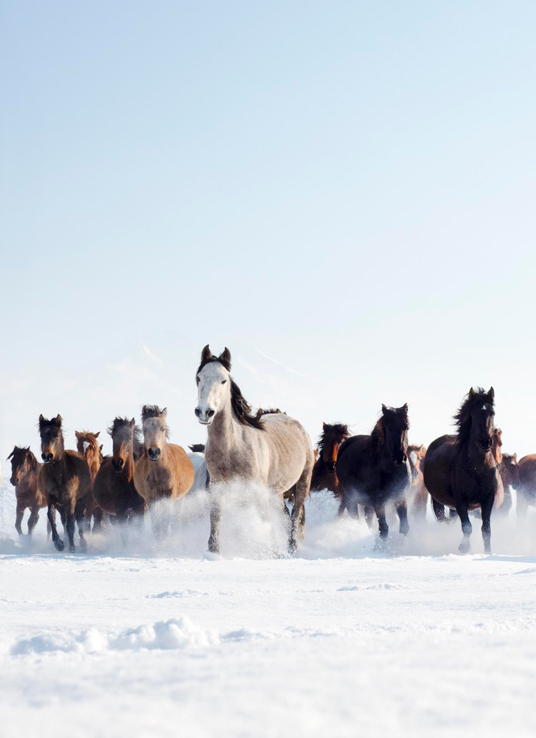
270, 411
463, 416
377, 437
120, 423
338, 430
153, 411
197, 448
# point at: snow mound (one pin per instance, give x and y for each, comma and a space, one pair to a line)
163, 635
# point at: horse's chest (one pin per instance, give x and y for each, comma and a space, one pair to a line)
223, 466
160, 480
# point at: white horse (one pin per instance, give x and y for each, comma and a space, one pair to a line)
268, 448
197, 457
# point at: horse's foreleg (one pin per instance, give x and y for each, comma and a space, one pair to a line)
51, 514
402, 512
98, 517
81, 521
467, 528
32, 521
382, 522
18, 519
439, 511
486, 508
297, 517
215, 521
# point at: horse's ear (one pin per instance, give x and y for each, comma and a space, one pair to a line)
491, 394
164, 413
514, 457
77, 434
97, 434
471, 392
11, 454
58, 420
324, 426
132, 422
206, 354
41, 420
225, 358
101, 447
405, 408
384, 409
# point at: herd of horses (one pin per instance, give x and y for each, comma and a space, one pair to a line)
366, 473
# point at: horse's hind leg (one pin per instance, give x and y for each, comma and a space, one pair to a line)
467, 528
98, 517
215, 522
382, 522
32, 521
486, 508
402, 512
439, 511
297, 517
369, 515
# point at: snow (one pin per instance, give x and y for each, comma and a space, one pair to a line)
341, 640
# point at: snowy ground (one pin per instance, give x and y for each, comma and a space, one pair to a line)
339, 641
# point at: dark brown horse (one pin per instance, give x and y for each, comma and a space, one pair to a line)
374, 470
324, 474
88, 446
526, 491
113, 489
418, 494
65, 481
25, 479
461, 470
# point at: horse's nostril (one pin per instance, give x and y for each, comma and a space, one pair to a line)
198, 411
210, 413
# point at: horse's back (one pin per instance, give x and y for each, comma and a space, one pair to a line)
527, 475
291, 452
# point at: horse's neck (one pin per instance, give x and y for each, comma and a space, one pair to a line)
223, 432
129, 466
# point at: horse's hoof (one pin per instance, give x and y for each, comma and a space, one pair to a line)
72, 549
59, 544
213, 556
464, 547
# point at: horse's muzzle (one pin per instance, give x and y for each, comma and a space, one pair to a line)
14, 481
154, 454
117, 465
47, 458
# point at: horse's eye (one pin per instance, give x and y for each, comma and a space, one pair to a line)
197, 380
224, 381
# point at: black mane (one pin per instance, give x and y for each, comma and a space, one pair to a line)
338, 431
121, 423
197, 448
463, 416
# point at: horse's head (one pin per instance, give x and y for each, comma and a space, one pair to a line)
395, 431
51, 438
330, 442
22, 462
497, 445
482, 415
213, 385
510, 469
122, 432
87, 445
155, 430
416, 456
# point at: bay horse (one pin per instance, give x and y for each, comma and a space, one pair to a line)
461, 471
374, 469
25, 478
508, 470
418, 494
268, 448
114, 489
324, 473
164, 471
65, 481
88, 446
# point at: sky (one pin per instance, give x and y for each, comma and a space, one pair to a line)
342, 193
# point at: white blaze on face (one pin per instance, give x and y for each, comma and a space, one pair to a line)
85, 445
213, 389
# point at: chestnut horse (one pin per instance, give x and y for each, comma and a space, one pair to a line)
508, 469
88, 446
25, 479
164, 471
324, 474
374, 470
114, 489
461, 471
268, 448
418, 494
64, 479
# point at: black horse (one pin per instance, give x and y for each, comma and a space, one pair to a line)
374, 470
461, 470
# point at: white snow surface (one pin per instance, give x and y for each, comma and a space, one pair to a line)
340, 640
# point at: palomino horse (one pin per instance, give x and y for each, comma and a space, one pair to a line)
164, 472
268, 448
418, 494
114, 489
25, 478
324, 474
374, 470
88, 446
64, 479
461, 470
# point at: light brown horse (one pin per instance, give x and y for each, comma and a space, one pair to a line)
114, 489
324, 471
88, 446
64, 479
164, 471
25, 479
418, 494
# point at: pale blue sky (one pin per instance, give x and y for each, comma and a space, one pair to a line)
348, 187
